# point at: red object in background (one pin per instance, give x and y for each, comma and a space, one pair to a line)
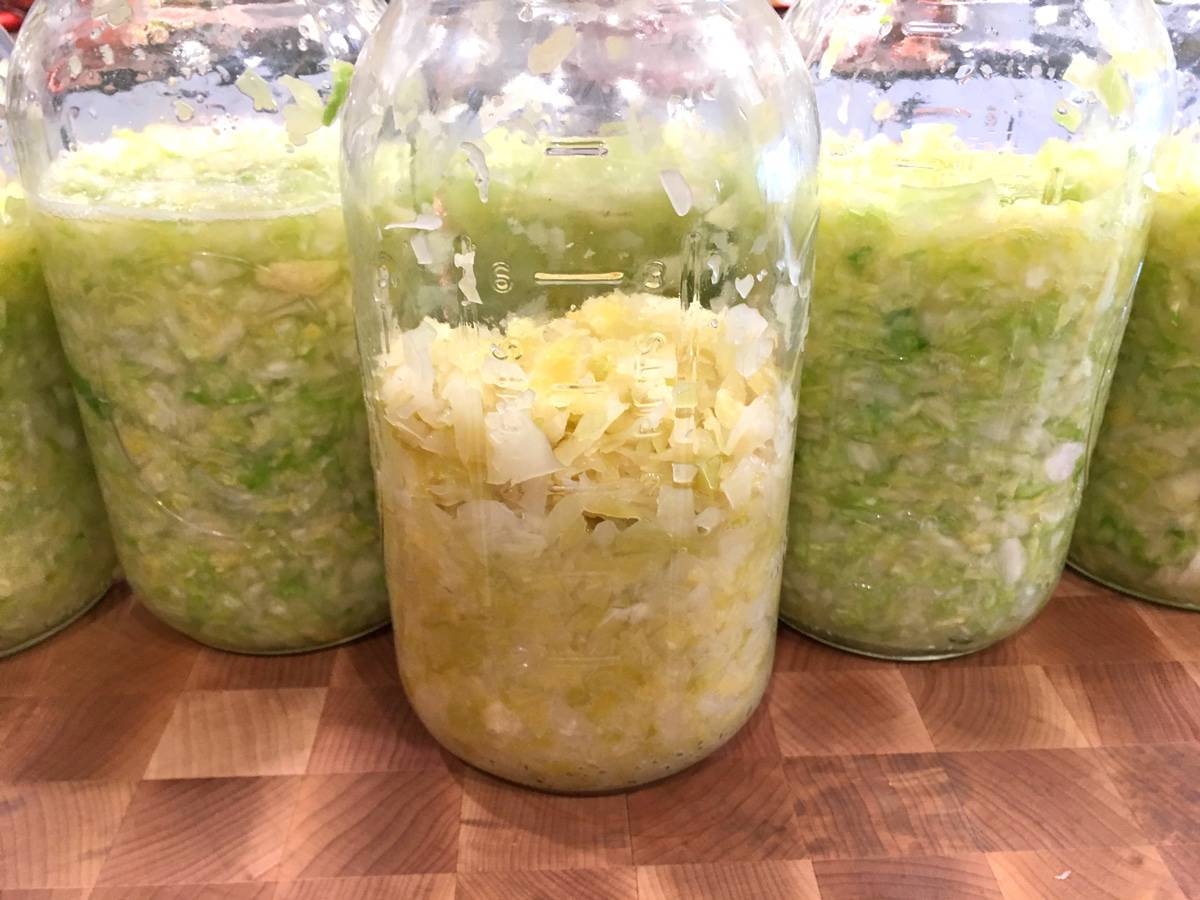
12, 12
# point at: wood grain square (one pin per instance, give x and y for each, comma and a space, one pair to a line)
1161, 785
1038, 799
795, 652
1115, 873
1074, 585
784, 880
22, 674
1183, 861
853, 712
509, 828
86, 738
1131, 703
914, 878
215, 734
56, 835
369, 660
1008, 708
14, 713
215, 671
563, 884
202, 831
1178, 629
375, 887
755, 740
877, 806
372, 729
723, 810
1076, 630
389, 823
245, 891
116, 648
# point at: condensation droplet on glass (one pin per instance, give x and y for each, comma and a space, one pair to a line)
964, 72
655, 275
526, 13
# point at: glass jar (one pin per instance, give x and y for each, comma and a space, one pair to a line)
1139, 525
56, 555
181, 161
581, 240
983, 215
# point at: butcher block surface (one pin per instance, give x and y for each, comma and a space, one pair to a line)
137, 765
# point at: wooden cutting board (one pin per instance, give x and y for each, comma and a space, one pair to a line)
136, 765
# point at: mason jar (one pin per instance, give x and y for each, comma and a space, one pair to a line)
181, 162
1139, 525
984, 207
56, 555
581, 238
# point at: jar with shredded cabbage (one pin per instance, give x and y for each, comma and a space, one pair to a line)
581, 312
199, 274
1139, 525
56, 556
972, 285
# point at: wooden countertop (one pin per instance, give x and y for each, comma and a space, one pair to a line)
136, 765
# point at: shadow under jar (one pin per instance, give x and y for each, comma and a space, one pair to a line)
181, 162
1139, 525
983, 216
581, 237
56, 554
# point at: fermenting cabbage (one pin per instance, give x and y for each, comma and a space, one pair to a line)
967, 309
547, 483
56, 556
201, 286
1139, 525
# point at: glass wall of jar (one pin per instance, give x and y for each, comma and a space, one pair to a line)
1139, 525
56, 555
983, 215
181, 161
581, 239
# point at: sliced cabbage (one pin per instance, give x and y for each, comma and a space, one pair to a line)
201, 285
56, 556
1139, 526
584, 522
966, 311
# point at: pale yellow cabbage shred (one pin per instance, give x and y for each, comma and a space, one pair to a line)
584, 518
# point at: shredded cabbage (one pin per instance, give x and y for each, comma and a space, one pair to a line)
56, 556
200, 281
967, 308
1139, 525
584, 520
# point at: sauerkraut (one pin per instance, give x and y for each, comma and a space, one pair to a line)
56, 556
967, 310
201, 284
584, 520
1139, 525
